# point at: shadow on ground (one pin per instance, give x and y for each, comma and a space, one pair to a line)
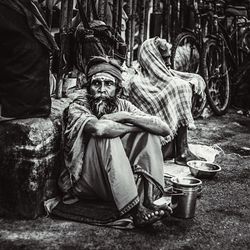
222, 219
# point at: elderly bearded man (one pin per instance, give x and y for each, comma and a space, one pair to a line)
112, 149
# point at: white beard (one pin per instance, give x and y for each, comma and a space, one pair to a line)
100, 108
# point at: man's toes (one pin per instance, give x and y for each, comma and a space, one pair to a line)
156, 213
170, 210
161, 212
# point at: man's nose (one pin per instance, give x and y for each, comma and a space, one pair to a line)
102, 87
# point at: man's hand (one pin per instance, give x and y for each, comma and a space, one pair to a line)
120, 117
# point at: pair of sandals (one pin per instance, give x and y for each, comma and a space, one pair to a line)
146, 216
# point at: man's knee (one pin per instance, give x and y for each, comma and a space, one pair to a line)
146, 136
104, 145
141, 140
98, 141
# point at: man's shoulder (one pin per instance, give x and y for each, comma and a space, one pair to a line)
81, 104
81, 101
123, 103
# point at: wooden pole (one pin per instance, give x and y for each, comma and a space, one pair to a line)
65, 24
142, 15
49, 12
115, 15
131, 33
166, 20
101, 9
147, 5
105, 11
177, 22
134, 8
120, 10
70, 13
88, 10
173, 20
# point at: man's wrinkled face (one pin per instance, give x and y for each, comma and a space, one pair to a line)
102, 85
102, 94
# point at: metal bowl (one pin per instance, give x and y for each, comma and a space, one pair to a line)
203, 169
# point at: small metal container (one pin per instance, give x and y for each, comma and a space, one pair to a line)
203, 169
185, 192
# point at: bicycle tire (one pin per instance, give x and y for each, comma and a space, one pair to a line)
244, 45
192, 60
216, 75
197, 106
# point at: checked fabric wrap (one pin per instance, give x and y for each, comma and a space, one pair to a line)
161, 91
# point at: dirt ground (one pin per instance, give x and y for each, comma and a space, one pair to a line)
222, 218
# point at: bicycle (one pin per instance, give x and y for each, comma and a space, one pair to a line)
223, 53
191, 40
189, 43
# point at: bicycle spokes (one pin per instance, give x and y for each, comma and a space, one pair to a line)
216, 75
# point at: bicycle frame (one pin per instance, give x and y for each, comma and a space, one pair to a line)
229, 41
197, 31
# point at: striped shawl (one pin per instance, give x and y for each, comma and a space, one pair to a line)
164, 92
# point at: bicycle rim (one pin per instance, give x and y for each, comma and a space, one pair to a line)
185, 53
216, 75
244, 45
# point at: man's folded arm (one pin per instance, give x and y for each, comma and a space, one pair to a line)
152, 124
108, 128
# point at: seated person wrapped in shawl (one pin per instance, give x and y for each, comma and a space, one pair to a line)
112, 149
158, 90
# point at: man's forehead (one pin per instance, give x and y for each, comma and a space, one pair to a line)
103, 76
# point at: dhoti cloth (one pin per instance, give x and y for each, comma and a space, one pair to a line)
116, 169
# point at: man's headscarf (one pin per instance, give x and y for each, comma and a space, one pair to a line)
104, 65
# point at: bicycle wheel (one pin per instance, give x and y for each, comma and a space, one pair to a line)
185, 53
244, 45
185, 56
215, 72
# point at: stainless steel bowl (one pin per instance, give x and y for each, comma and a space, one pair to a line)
203, 169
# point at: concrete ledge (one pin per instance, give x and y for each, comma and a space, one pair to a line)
30, 158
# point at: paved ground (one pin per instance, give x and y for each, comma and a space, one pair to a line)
222, 219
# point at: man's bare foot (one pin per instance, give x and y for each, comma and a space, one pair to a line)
187, 156
165, 207
145, 216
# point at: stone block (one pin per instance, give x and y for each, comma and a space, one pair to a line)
30, 160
